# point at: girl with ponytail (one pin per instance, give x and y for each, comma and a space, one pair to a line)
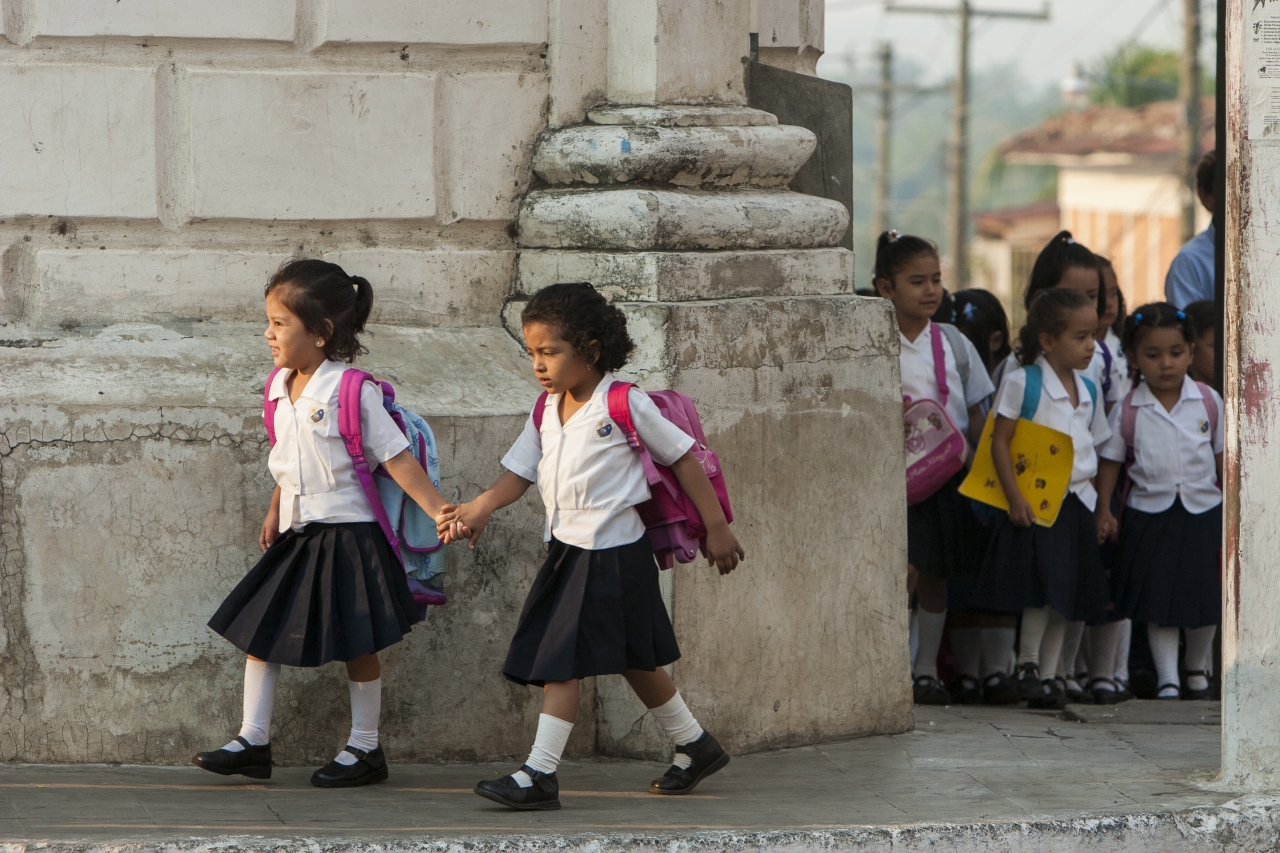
328, 586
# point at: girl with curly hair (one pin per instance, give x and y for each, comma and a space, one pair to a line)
595, 607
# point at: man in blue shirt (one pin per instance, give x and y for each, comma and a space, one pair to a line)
1191, 275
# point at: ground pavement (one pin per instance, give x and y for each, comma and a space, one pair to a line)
1138, 776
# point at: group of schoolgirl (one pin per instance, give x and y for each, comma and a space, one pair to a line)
332, 586
1138, 535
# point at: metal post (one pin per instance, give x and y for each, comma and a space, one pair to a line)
884, 124
1189, 96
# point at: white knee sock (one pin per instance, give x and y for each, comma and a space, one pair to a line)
1164, 648
1199, 649
1034, 622
913, 638
366, 708
1070, 649
1104, 639
678, 722
931, 627
1051, 643
548, 746
997, 648
967, 644
1122, 650
260, 680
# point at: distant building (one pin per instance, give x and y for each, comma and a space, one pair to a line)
1118, 188
1005, 246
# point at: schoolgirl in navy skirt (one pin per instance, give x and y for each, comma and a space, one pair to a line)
595, 607
328, 586
1169, 429
1051, 575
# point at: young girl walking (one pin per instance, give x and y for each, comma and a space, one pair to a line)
328, 586
1052, 575
595, 607
1171, 529
944, 539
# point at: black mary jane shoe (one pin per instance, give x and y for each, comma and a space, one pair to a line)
1163, 687
927, 690
543, 795
708, 757
966, 690
998, 689
252, 761
370, 767
1102, 696
1051, 698
1027, 679
1196, 695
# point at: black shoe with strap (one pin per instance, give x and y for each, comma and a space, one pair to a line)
1027, 679
369, 767
966, 690
252, 761
707, 756
1102, 696
998, 689
1193, 695
542, 795
1051, 697
927, 690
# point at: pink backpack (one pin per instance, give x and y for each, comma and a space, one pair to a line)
408, 529
675, 527
935, 449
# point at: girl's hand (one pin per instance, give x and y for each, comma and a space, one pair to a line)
723, 549
1020, 512
270, 528
467, 521
450, 531
1106, 523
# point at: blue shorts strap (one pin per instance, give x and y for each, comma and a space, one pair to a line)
1031, 393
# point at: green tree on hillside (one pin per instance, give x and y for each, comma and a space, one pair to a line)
1133, 75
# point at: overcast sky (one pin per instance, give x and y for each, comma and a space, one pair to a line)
1077, 30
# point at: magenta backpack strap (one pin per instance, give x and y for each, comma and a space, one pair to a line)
352, 436
539, 411
269, 406
939, 363
620, 414
1210, 407
1128, 419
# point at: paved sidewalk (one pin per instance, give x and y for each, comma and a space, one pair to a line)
961, 765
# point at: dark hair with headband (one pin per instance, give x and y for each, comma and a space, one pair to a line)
331, 304
1063, 253
894, 251
1157, 315
1048, 316
979, 315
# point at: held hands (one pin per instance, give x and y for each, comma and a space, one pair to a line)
1106, 523
1020, 512
723, 549
458, 522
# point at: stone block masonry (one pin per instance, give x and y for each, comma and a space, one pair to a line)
159, 162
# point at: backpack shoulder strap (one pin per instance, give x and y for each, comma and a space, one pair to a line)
956, 338
1210, 407
620, 414
939, 363
1128, 419
1093, 397
539, 411
269, 406
1031, 393
349, 428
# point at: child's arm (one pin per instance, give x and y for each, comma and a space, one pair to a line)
271, 526
408, 474
474, 515
723, 549
976, 425
1019, 510
1108, 476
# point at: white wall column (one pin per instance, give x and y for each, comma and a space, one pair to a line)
677, 51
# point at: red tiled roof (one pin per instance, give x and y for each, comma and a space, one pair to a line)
1146, 131
996, 223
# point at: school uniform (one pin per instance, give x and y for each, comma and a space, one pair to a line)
1056, 566
1110, 368
1171, 528
595, 607
944, 539
330, 587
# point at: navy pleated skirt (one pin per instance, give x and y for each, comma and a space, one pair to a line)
330, 592
944, 538
1170, 570
592, 613
1057, 566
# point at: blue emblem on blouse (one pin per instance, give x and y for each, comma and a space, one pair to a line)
317, 415
604, 430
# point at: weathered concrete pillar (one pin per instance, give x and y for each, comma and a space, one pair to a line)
739, 295
1251, 624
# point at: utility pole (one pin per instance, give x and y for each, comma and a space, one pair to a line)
958, 145
1189, 95
885, 91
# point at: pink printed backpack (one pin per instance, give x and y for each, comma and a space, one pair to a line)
675, 527
935, 449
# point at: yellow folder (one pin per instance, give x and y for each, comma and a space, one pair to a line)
1042, 461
